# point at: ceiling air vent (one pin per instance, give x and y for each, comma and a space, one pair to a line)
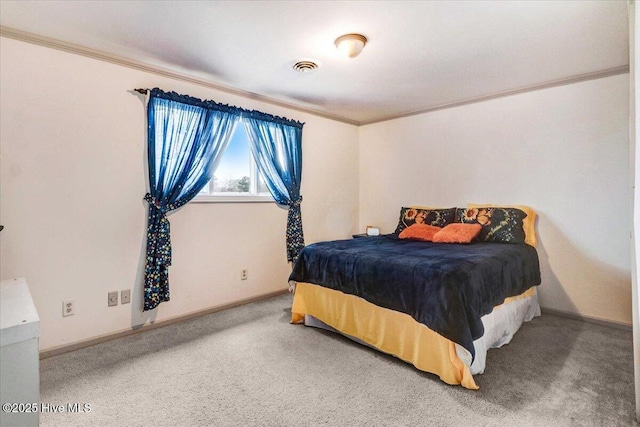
305, 66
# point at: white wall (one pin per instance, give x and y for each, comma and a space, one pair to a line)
72, 178
563, 151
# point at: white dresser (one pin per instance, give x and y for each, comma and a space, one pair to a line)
19, 357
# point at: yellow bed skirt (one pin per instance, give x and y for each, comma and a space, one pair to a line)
387, 330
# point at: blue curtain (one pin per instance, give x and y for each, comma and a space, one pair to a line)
185, 139
276, 146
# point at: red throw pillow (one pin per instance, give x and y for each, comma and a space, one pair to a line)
419, 232
457, 233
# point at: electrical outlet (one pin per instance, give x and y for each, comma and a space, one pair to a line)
244, 275
113, 299
68, 308
125, 296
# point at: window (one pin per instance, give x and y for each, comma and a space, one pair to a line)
236, 178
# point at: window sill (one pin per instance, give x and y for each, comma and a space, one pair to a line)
233, 199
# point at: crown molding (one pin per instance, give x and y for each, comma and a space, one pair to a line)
553, 83
139, 65
164, 72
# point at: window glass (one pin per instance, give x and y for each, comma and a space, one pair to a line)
236, 177
233, 174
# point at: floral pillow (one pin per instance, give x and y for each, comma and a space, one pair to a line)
504, 225
528, 224
437, 217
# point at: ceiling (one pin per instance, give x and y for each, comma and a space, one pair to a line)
420, 56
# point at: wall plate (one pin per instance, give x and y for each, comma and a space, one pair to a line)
68, 308
113, 298
125, 296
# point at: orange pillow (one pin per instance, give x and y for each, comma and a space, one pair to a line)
457, 233
420, 232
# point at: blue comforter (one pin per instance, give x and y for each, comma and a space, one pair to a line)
447, 287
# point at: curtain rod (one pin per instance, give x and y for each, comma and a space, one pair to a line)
142, 91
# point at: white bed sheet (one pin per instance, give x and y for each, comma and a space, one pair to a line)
499, 327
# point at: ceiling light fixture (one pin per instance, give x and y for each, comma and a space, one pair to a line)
350, 45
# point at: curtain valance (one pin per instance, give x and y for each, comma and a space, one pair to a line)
209, 104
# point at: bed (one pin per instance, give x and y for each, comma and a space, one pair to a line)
437, 304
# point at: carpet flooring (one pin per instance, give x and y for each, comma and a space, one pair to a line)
248, 366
